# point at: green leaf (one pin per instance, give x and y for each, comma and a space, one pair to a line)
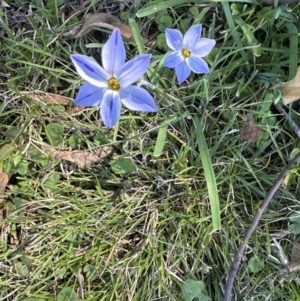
294, 152
74, 141
90, 271
38, 156
122, 166
160, 141
13, 132
209, 176
52, 181
6, 151
194, 11
67, 294
295, 228
161, 41
255, 264
164, 23
124, 15
193, 290
54, 132
294, 218
20, 166
146, 11
22, 269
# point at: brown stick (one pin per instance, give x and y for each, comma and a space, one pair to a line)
240, 251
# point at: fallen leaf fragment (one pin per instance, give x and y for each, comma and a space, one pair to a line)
80, 158
4, 178
294, 264
51, 98
290, 90
4, 4
104, 20
250, 131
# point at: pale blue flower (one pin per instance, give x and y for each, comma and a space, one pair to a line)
187, 52
111, 85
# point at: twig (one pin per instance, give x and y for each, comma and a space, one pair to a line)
289, 119
240, 251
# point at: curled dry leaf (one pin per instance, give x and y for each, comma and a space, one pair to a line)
80, 158
250, 131
4, 178
294, 264
103, 20
51, 98
3, 4
290, 90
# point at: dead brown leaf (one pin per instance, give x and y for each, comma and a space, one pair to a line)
3, 4
290, 90
80, 158
4, 178
250, 131
294, 263
51, 98
103, 20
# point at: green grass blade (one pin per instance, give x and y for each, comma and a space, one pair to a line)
137, 36
252, 41
144, 12
160, 141
209, 176
233, 31
293, 55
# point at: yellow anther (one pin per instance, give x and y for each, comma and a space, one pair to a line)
113, 84
185, 52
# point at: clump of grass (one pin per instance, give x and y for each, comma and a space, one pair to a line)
96, 234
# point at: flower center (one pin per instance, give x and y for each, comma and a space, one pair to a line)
185, 52
113, 84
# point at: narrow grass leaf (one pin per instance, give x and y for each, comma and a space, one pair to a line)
247, 29
244, 1
160, 141
137, 36
293, 49
209, 175
234, 33
144, 12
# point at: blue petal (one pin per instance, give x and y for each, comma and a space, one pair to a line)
137, 99
173, 59
113, 53
182, 72
174, 38
89, 95
192, 36
133, 70
198, 65
110, 109
203, 47
90, 71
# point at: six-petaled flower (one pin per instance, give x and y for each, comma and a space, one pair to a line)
111, 85
187, 52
